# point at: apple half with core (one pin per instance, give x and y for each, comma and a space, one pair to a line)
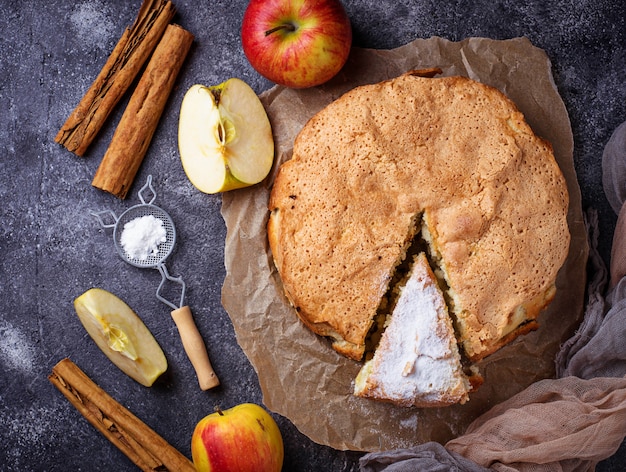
244, 438
296, 43
121, 335
224, 137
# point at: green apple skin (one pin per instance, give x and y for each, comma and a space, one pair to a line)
224, 137
296, 43
244, 438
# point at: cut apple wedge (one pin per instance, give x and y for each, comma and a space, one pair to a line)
224, 137
121, 335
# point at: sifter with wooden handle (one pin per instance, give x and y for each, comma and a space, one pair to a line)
181, 313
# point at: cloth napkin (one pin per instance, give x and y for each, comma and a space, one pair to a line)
570, 423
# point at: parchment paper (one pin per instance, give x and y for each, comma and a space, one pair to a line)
301, 377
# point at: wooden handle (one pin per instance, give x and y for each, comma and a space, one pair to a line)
195, 348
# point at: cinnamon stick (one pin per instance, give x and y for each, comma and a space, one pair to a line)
141, 117
122, 67
148, 450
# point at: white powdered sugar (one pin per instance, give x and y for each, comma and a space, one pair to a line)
141, 237
16, 350
93, 23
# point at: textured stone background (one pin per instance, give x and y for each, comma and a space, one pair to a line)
52, 250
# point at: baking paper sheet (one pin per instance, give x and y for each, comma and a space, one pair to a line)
301, 377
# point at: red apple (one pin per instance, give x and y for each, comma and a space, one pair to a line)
296, 43
244, 438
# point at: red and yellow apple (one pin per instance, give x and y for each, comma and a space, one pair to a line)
296, 43
244, 438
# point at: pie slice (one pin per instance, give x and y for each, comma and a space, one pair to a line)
417, 362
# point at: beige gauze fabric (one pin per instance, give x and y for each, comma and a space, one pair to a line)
613, 181
568, 424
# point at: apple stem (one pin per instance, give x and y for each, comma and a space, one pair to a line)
219, 411
287, 26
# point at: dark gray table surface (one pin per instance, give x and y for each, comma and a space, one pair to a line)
52, 250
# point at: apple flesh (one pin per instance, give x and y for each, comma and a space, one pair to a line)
244, 438
121, 335
224, 137
297, 44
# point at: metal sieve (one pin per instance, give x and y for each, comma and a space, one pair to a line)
138, 211
164, 249
190, 336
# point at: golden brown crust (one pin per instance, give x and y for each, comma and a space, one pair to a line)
457, 154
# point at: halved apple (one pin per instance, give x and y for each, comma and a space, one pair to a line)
121, 335
224, 137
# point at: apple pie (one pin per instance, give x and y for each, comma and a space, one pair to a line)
446, 166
